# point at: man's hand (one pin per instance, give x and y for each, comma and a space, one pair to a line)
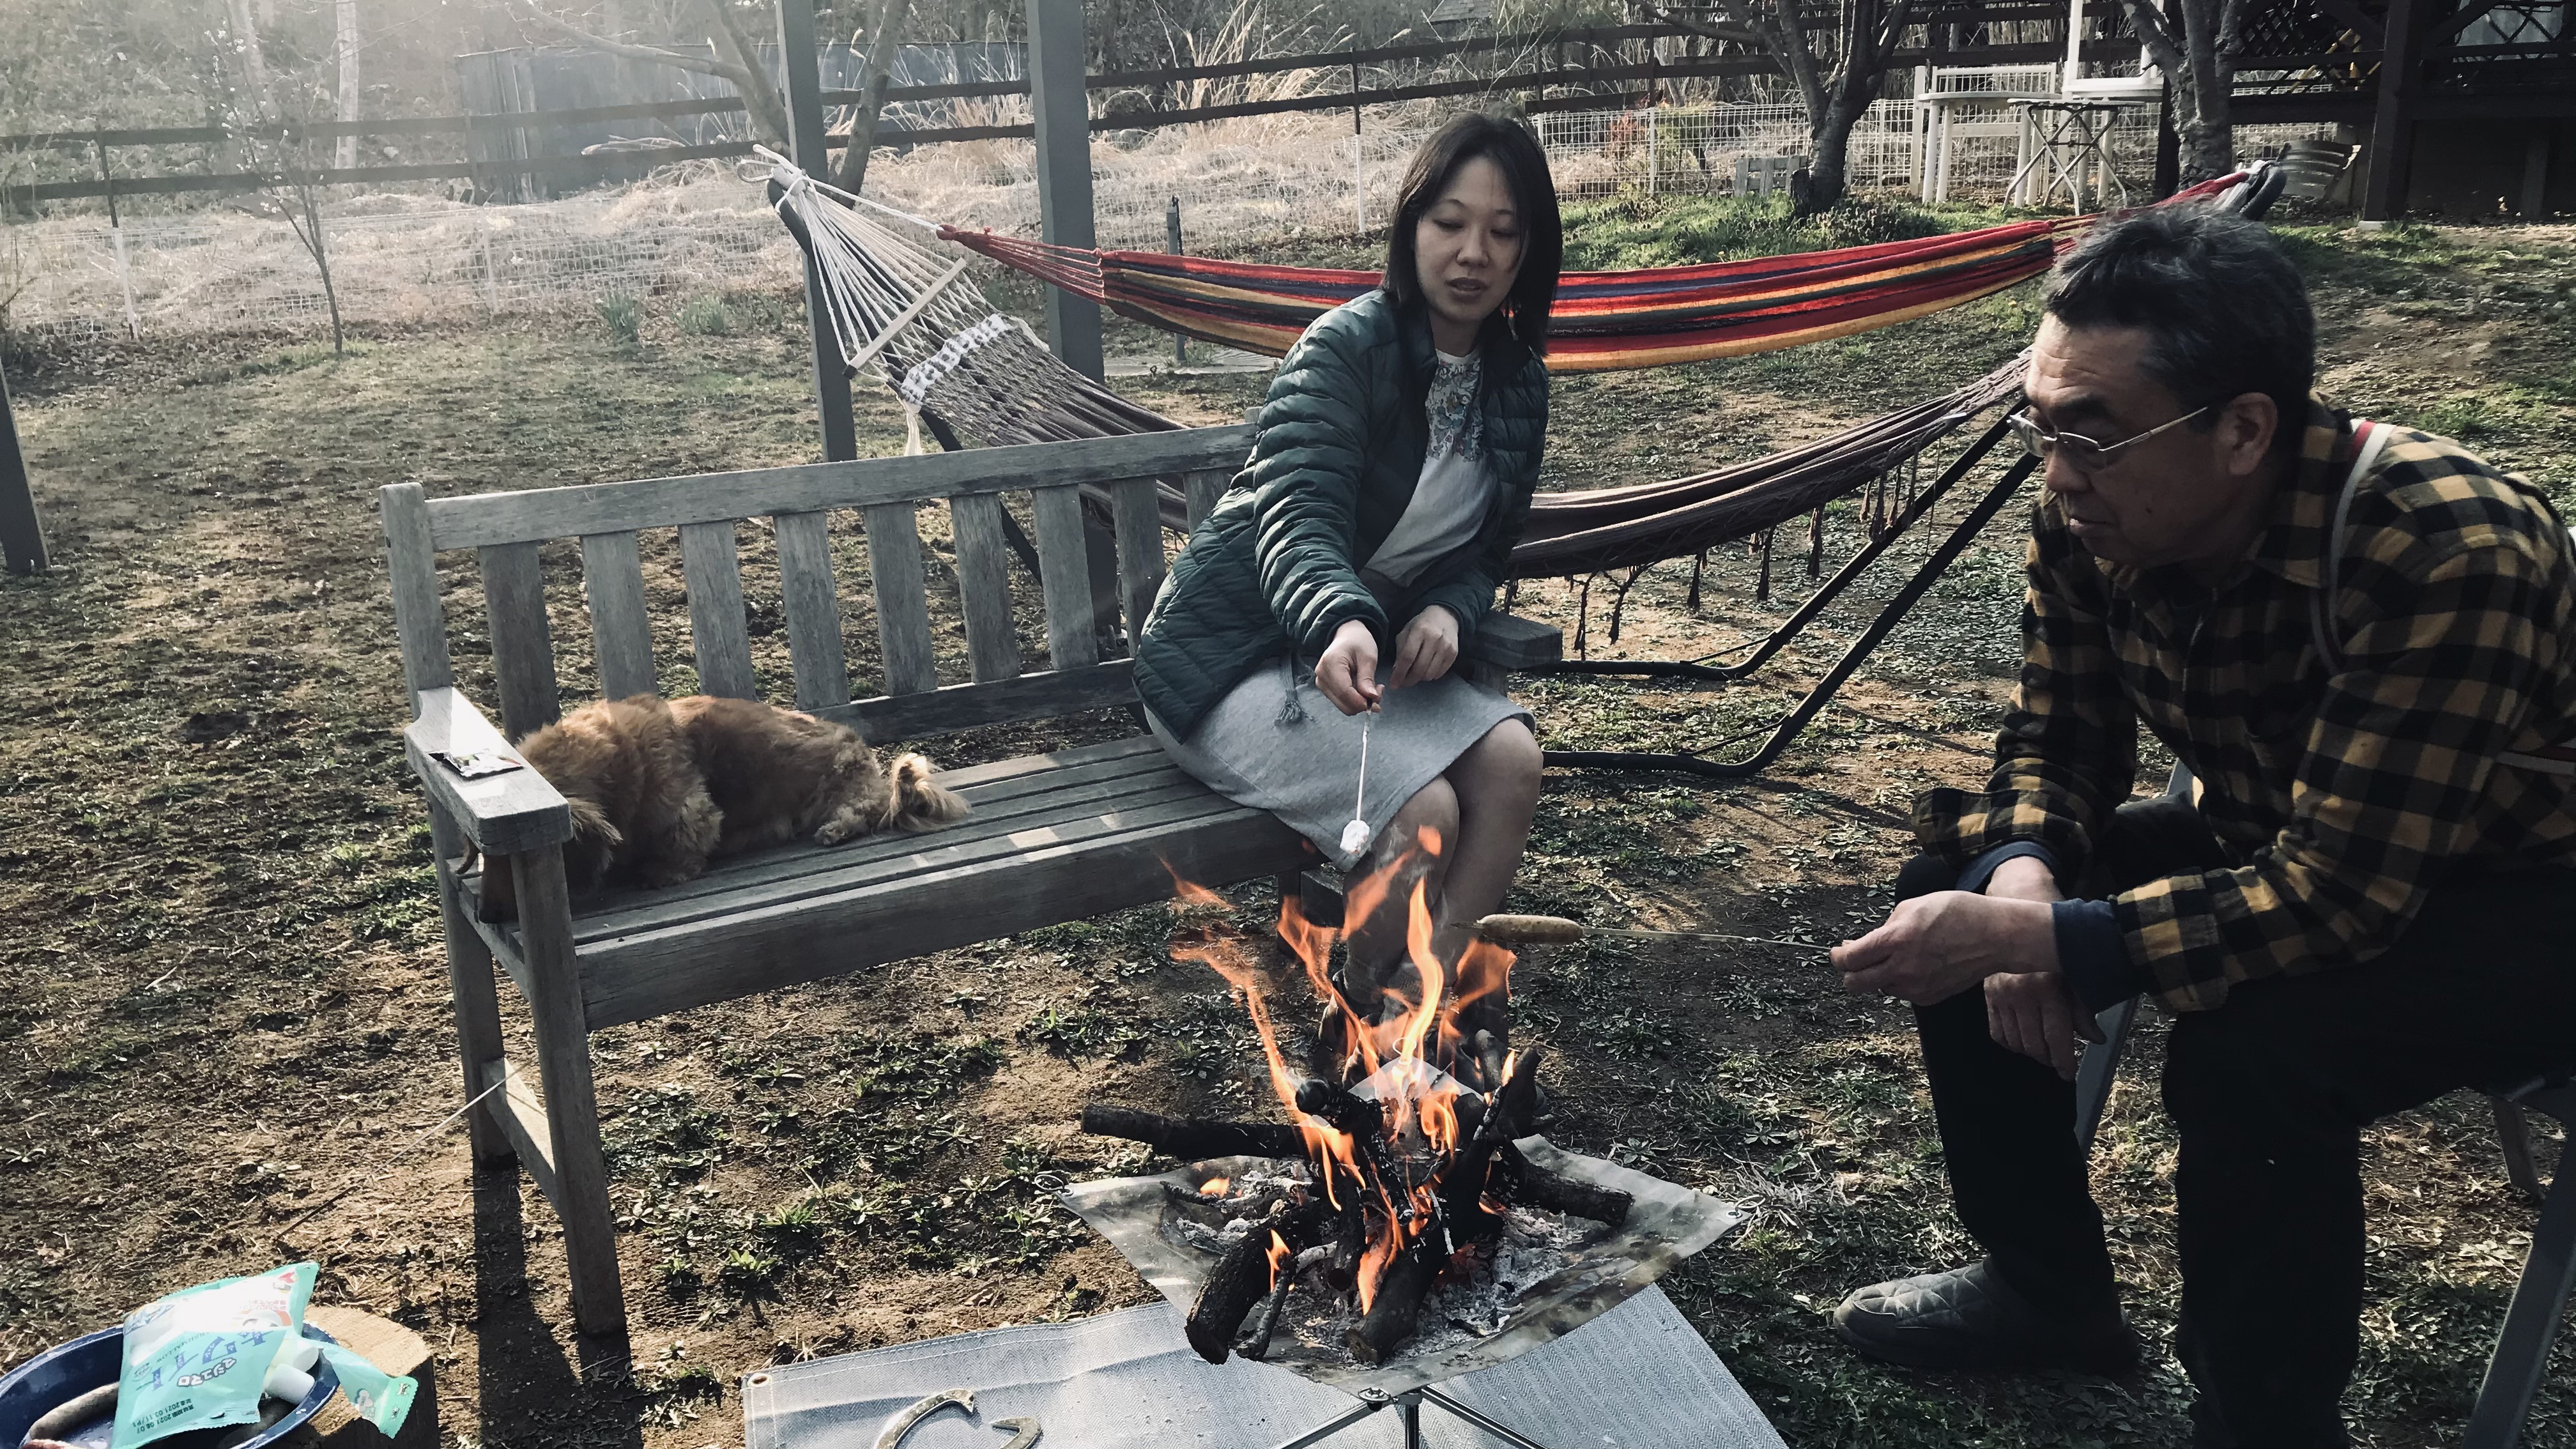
1934, 947
1347, 674
2035, 1014
1426, 648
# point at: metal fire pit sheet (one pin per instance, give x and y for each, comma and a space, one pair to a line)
1640, 1378
1668, 1224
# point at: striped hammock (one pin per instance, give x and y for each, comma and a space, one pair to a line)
1602, 321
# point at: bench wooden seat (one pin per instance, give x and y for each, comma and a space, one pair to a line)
1104, 822
1052, 838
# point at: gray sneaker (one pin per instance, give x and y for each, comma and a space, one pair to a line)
1969, 1318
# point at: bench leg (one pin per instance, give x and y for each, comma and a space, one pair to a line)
469, 980
572, 1106
2522, 1349
1317, 897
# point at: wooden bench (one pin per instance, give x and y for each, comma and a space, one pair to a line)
1053, 837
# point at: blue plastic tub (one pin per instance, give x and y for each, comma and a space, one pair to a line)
72, 1369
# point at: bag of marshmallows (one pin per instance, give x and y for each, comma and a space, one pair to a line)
205, 1357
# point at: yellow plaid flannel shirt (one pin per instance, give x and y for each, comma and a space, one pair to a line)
2346, 796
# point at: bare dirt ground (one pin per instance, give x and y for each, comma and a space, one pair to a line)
224, 1038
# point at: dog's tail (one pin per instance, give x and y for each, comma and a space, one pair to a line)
919, 804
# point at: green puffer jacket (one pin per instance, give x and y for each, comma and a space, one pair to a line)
1275, 566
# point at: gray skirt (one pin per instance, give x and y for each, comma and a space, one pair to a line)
1274, 742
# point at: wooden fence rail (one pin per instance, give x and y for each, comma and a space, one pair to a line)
585, 167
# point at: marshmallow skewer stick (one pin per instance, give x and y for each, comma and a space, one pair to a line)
1549, 930
1356, 835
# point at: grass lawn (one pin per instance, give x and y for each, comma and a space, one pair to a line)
224, 1036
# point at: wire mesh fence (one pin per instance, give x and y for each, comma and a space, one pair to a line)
698, 229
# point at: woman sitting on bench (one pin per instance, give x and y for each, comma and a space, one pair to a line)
1335, 585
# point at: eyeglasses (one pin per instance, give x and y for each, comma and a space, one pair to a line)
2083, 453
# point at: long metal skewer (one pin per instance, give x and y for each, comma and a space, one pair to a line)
1547, 930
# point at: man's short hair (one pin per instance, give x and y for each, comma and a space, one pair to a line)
2227, 312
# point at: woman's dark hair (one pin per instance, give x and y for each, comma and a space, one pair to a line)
2226, 311
1515, 152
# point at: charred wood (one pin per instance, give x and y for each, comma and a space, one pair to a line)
1392, 1313
1193, 1140
1239, 1280
1537, 1187
1256, 1344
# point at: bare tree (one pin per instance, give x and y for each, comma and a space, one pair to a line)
737, 60
269, 120
1837, 86
2200, 66
885, 34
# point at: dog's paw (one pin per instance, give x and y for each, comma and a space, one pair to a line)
664, 874
834, 832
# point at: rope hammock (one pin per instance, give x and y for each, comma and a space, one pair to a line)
1602, 321
972, 376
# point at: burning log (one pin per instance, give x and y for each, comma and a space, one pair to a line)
1409, 1185
1406, 1132
1243, 1277
1193, 1140
1391, 1317
1256, 1344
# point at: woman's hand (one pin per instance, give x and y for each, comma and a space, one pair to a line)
1426, 648
1347, 674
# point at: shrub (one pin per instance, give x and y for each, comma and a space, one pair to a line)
625, 318
704, 316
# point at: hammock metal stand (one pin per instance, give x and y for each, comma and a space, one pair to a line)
1795, 722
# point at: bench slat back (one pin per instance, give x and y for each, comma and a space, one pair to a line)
523, 646
612, 575
712, 571
984, 586
903, 607
1064, 568
813, 606
801, 508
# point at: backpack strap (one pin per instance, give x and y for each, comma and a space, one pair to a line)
2368, 439
2371, 438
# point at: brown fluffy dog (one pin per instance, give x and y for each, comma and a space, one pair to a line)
640, 806
657, 787
778, 775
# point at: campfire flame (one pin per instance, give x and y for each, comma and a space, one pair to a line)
1395, 1046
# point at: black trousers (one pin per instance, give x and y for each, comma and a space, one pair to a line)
2268, 1095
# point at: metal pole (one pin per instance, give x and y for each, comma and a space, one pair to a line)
1359, 160
2391, 139
22, 534
1062, 105
1172, 240
2074, 46
116, 233
806, 144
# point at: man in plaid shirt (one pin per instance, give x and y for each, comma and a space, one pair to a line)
2370, 902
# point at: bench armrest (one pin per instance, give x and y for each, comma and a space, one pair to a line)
1508, 641
502, 814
